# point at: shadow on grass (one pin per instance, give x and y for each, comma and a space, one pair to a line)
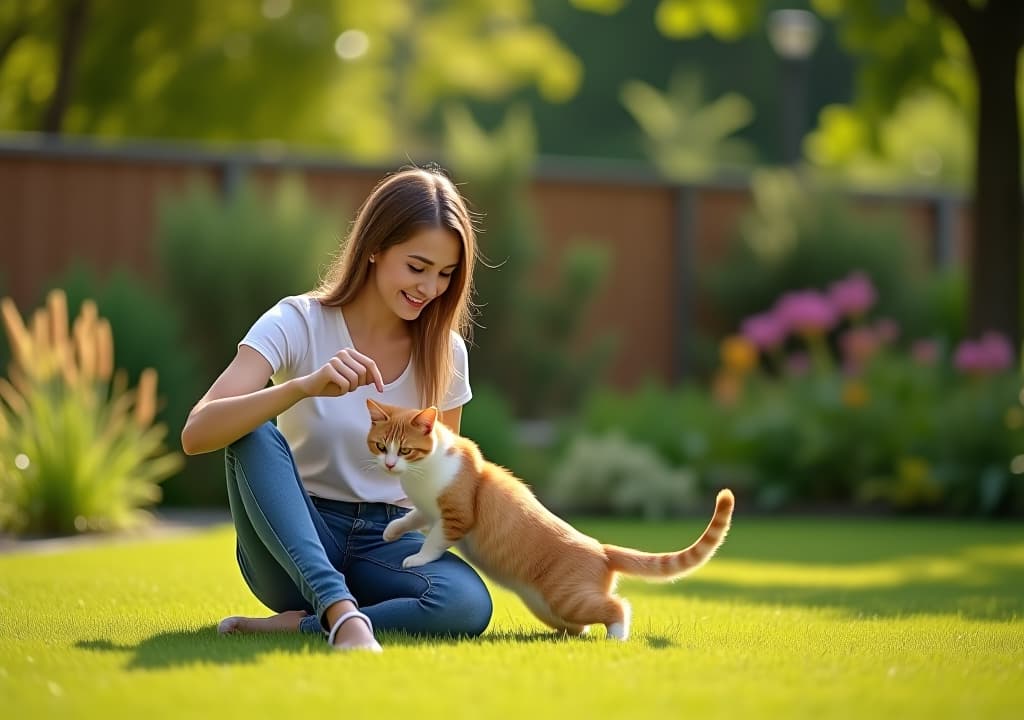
183, 648
206, 645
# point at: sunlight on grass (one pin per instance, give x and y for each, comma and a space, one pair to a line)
800, 618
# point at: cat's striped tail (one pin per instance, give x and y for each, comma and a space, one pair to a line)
669, 566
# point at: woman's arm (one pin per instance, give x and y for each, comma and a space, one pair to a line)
453, 418
239, 401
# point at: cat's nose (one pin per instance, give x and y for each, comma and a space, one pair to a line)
390, 465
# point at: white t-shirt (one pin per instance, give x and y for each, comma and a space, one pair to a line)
327, 435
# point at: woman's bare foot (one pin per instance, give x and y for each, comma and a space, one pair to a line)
287, 621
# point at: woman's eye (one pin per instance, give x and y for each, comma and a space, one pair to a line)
415, 269
446, 275
382, 447
404, 451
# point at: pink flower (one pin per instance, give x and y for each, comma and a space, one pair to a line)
765, 331
998, 351
925, 352
807, 312
969, 357
991, 354
853, 295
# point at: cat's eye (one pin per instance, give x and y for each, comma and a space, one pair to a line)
382, 447
404, 451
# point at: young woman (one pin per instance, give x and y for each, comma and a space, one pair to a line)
309, 508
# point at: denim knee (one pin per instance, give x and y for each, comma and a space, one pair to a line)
467, 606
261, 435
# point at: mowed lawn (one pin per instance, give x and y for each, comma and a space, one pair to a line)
794, 618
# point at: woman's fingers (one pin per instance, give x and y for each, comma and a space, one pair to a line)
333, 377
365, 363
352, 379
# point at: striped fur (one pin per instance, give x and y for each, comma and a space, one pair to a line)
566, 578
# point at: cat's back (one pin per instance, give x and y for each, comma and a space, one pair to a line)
514, 536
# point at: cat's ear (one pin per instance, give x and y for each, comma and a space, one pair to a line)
377, 413
425, 420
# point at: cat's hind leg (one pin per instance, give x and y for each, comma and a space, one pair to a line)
610, 610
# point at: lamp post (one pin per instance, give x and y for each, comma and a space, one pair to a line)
793, 35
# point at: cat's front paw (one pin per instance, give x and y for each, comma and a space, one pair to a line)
393, 531
415, 560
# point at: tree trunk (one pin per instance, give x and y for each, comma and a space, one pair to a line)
995, 263
74, 17
994, 32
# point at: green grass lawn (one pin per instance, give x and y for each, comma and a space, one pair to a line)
794, 618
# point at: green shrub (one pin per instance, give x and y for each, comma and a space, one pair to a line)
609, 474
78, 448
528, 342
227, 261
796, 238
487, 420
150, 333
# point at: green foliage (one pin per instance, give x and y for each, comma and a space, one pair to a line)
901, 436
796, 238
610, 474
360, 77
80, 449
488, 422
226, 262
725, 19
527, 343
150, 334
688, 139
926, 142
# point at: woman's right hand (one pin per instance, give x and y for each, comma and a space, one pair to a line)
343, 373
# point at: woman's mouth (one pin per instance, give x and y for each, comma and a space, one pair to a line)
413, 301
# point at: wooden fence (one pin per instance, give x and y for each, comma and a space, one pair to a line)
78, 200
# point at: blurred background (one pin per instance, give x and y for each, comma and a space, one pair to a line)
767, 245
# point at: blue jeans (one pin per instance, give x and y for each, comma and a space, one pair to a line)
298, 552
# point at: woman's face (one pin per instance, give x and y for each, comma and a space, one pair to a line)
413, 273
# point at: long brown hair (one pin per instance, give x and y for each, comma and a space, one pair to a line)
402, 204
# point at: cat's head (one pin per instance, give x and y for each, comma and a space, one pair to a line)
399, 436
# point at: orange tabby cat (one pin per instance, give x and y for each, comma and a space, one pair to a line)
565, 577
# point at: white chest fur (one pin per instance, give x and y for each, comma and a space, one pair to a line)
425, 480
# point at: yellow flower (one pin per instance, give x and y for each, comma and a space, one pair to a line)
738, 354
855, 394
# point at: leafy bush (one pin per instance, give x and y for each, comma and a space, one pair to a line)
488, 421
610, 474
79, 448
228, 261
528, 341
796, 238
150, 333
817, 404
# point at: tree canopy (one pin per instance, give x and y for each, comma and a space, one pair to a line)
353, 76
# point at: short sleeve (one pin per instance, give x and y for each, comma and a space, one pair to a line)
281, 335
459, 392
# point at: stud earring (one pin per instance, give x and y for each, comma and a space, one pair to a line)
372, 259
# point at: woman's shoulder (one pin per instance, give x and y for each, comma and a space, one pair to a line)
458, 342
307, 306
